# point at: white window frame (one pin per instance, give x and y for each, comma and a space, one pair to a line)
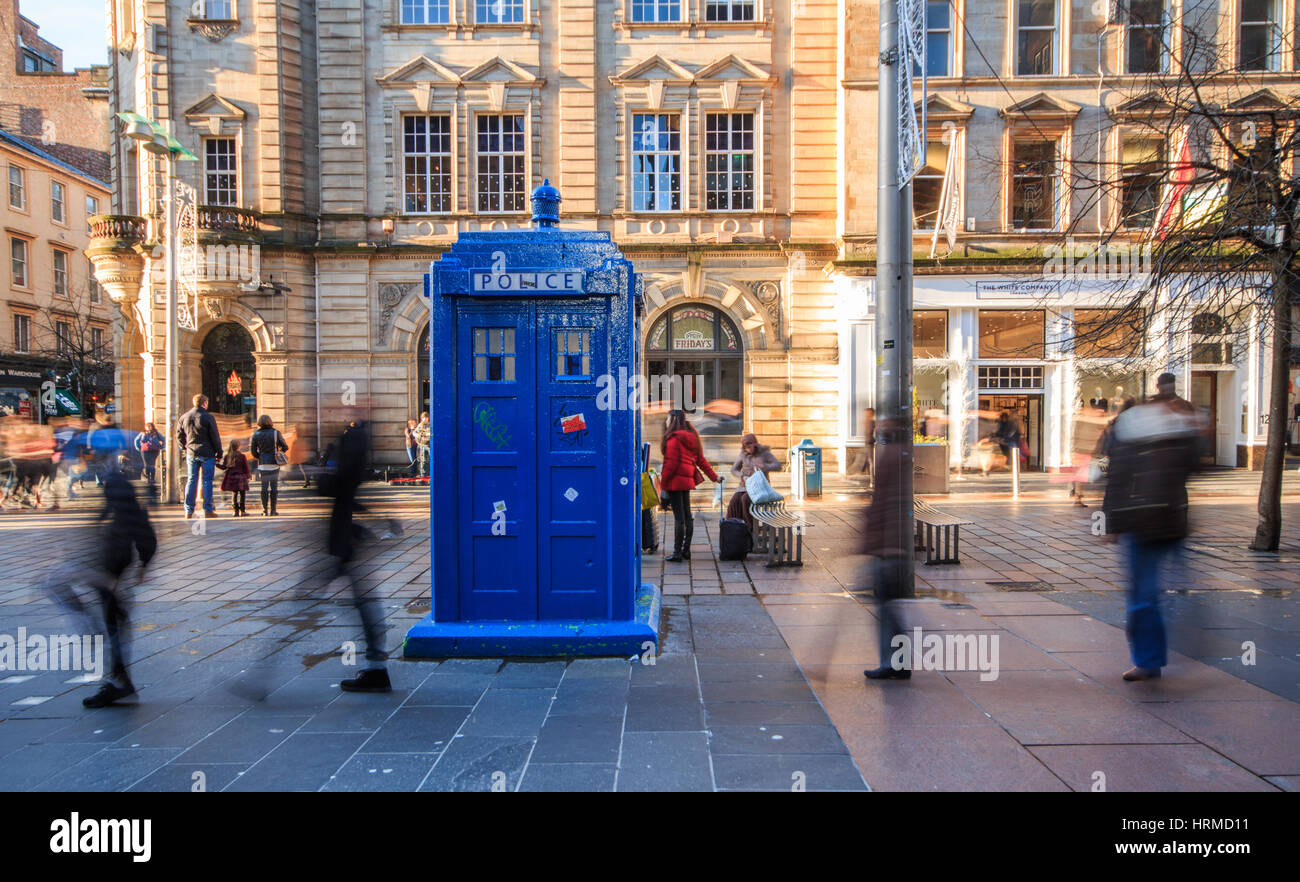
92, 209
950, 30
63, 337
1017, 29
1274, 24
21, 186
450, 157
481, 5
523, 154
59, 277
660, 8
92, 284
683, 185
26, 261
228, 7
1164, 43
208, 171
754, 154
731, 7
425, 7
1120, 221
1059, 211
23, 341
936, 136
97, 342
59, 201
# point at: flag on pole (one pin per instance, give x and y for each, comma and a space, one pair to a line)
1185, 205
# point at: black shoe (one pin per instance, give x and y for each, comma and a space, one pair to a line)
369, 680
887, 673
686, 555
107, 694
675, 557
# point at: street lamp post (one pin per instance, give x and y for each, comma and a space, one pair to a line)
153, 138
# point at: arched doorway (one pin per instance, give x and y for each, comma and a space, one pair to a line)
422, 369
694, 360
229, 371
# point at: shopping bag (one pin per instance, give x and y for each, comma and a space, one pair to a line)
759, 490
649, 497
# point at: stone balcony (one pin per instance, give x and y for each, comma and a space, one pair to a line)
117, 251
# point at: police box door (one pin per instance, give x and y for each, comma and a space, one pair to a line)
496, 520
573, 494
534, 519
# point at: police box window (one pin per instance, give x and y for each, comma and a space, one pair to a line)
572, 354
494, 355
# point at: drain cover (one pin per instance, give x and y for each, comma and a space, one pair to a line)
956, 606
1021, 586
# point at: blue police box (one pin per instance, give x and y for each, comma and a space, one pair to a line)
535, 512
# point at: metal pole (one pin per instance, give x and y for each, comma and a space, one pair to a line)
894, 281
171, 475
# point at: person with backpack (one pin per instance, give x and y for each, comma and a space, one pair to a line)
684, 460
268, 446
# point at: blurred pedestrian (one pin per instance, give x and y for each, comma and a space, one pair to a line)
889, 540
1153, 450
152, 445
268, 448
235, 480
683, 455
754, 457
1007, 436
197, 435
344, 537
126, 535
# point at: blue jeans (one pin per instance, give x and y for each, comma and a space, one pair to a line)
413, 457
1146, 625
192, 465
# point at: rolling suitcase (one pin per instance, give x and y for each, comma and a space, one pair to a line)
734, 539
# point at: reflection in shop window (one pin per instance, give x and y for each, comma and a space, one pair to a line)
929, 333
1108, 333
1011, 333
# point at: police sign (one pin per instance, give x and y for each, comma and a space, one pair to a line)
543, 281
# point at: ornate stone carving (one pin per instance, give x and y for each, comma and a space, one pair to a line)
214, 30
390, 297
769, 297
212, 305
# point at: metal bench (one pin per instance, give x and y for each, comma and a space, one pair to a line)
938, 533
780, 534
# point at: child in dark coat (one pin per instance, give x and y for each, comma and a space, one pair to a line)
236, 478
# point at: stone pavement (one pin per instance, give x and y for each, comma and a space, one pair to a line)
758, 684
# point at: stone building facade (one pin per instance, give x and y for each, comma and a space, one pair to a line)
1021, 93
343, 144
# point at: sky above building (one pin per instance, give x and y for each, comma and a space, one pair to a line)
75, 26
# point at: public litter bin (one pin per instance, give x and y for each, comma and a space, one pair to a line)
806, 470
536, 524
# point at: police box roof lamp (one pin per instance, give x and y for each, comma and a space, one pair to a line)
546, 206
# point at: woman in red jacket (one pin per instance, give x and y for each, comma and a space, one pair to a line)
683, 460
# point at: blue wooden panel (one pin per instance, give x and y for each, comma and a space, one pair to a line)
495, 407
